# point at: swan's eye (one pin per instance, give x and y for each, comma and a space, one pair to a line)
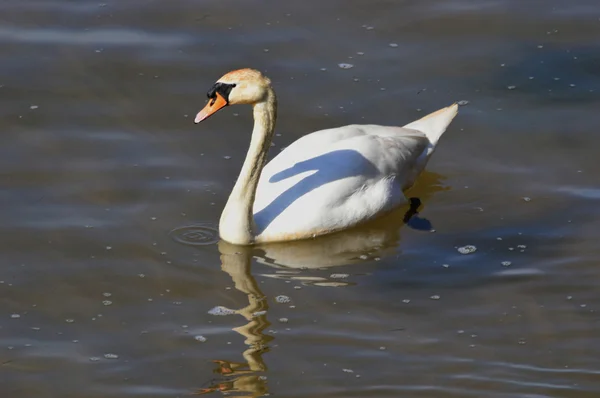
222, 88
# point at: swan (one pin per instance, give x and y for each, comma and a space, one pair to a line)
324, 182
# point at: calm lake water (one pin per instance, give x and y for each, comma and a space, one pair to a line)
113, 284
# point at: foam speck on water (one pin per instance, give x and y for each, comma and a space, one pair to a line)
468, 249
282, 299
345, 66
200, 338
221, 311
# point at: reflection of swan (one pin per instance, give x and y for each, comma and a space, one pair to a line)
245, 377
327, 181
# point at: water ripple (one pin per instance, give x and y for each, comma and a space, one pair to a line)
195, 235
116, 37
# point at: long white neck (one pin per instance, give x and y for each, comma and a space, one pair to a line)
237, 220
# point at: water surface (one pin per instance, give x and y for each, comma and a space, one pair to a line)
104, 175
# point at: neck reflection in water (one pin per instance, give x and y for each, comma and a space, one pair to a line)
293, 261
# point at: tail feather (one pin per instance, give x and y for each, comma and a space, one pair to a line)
434, 124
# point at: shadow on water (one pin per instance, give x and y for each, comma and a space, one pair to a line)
329, 167
377, 238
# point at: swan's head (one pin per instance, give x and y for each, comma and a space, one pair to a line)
242, 86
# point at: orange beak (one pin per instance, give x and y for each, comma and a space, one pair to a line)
211, 108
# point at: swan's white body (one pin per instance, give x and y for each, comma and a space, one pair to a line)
337, 178
326, 181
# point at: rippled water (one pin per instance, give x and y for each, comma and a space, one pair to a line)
113, 283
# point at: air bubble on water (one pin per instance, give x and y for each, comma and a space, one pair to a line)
468, 249
526, 199
282, 299
511, 87
394, 45
348, 370
569, 297
462, 102
227, 157
498, 238
506, 263
435, 297
360, 53
221, 311
111, 356
283, 320
69, 320
363, 257
153, 218
406, 301
15, 316
446, 265
33, 107
94, 359
107, 294
297, 287
345, 66
339, 276
107, 302
522, 246
258, 313
200, 338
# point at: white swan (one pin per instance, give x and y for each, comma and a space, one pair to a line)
324, 182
